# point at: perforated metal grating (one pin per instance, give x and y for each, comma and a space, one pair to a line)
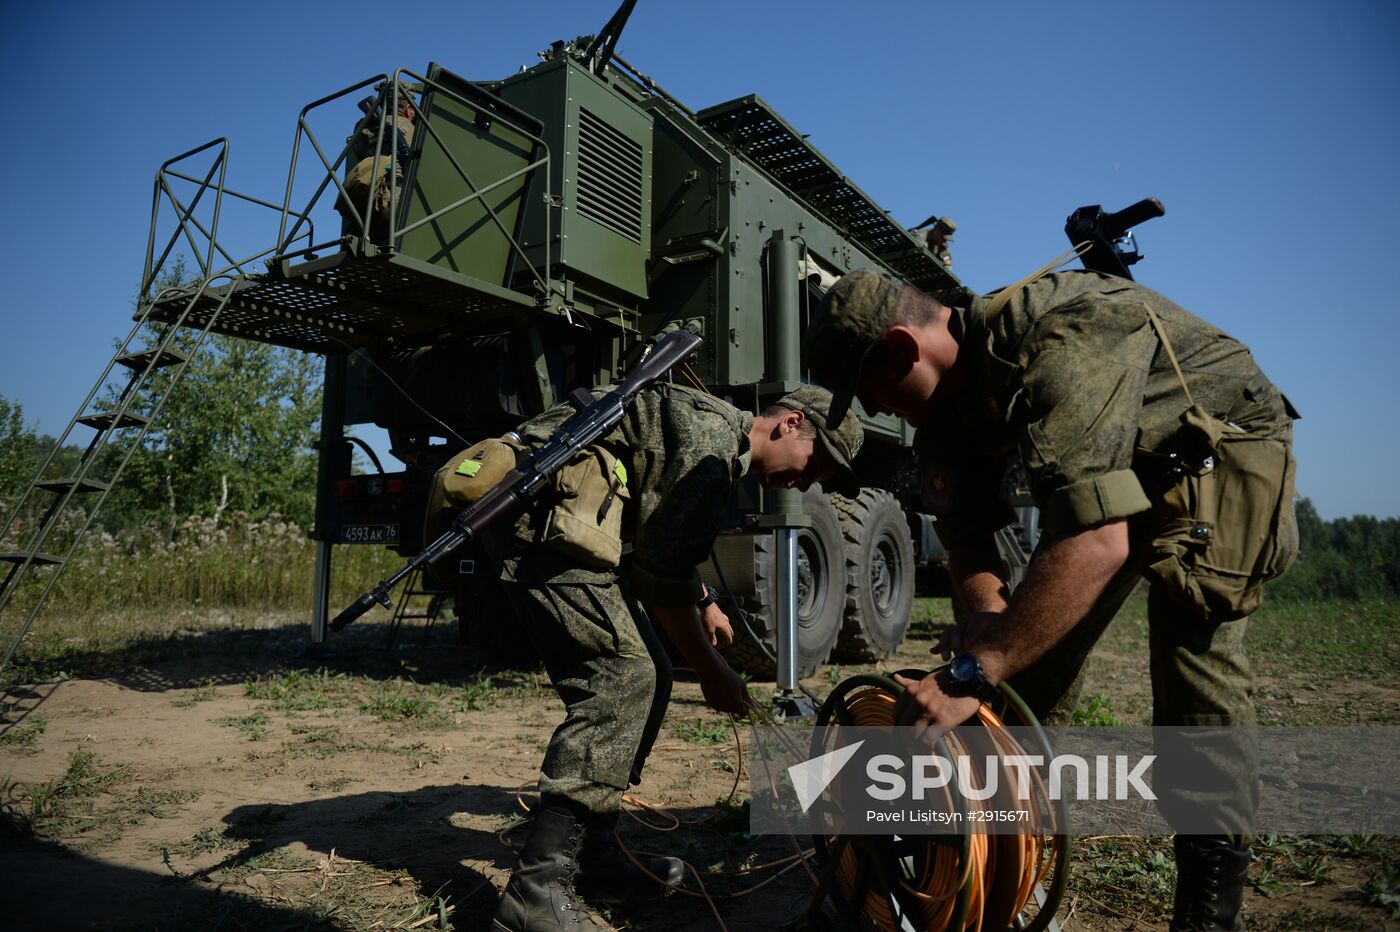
357, 302
751, 128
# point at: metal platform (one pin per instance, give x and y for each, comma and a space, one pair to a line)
751, 128
343, 301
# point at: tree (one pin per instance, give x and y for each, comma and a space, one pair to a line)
235, 434
17, 444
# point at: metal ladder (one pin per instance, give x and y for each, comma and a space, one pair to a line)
152, 360
419, 584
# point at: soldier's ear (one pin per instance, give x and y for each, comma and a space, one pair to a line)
792, 420
902, 349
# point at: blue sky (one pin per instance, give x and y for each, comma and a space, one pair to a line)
1271, 131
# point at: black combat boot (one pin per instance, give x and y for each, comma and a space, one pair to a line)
540, 896
1210, 877
606, 875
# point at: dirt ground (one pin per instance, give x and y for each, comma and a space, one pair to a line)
219, 779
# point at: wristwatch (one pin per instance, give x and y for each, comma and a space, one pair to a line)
711, 597
965, 678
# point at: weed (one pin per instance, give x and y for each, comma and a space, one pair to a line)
1383, 889
533, 740
1094, 710
201, 694
480, 693
278, 859
63, 803
254, 727
333, 785
24, 739
296, 691
715, 732
205, 841
1356, 846
403, 703
154, 802
1315, 868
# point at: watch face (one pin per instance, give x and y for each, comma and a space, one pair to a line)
964, 668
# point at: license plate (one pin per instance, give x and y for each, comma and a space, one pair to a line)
369, 534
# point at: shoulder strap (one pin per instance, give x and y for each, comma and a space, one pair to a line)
994, 307
1167, 345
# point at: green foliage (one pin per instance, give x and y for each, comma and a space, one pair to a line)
1383, 889
702, 732
16, 446
1094, 710
234, 434
236, 561
1356, 559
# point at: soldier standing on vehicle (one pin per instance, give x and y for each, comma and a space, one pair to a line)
936, 235
1155, 448
378, 146
665, 477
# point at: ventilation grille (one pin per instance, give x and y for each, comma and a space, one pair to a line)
609, 177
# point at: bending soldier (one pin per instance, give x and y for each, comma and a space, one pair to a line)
668, 472
1143, 468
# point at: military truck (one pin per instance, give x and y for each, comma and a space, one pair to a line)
520, 245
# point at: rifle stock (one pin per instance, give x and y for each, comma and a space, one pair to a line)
531, 477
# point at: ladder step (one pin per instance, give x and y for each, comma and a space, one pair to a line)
107, 420
41, 559
80, 487
155, 359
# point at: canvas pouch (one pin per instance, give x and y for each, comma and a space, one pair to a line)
585, 521
1226, 525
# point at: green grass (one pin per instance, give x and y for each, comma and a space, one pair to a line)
1093, 710
198, 695
254, 727
24, 738
64, 804
297, 691
237, 561
703, 732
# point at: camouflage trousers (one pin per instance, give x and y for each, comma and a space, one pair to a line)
1200, 677
604, 660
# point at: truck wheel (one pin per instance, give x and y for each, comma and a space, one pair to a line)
820, 596
879, 577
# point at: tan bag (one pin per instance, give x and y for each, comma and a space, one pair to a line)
1227, 525
586, 520
467, 477
357, 186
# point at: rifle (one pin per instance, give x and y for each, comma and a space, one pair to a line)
1113, 247
531, 477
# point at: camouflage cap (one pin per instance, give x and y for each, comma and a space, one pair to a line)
842, 442
852, 316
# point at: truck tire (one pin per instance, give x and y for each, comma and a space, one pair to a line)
820, 596
879, 577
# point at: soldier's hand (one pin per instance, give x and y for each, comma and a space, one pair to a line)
959, 638
925, 704
724, 690
716, 624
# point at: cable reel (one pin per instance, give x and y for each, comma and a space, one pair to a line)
958, 881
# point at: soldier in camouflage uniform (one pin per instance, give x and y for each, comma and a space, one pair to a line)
1143, 468
681, 452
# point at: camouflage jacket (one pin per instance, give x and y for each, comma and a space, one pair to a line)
684, 451
1072, 375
